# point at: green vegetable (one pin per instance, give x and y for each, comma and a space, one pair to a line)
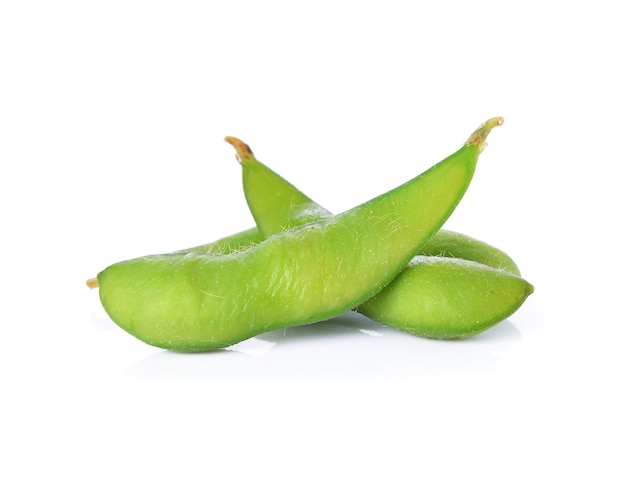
198, 301
437, 297
277, 205
446, 243
444, 297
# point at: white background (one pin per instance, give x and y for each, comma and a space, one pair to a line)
112, 118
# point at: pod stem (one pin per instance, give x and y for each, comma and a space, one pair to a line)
479, 137
92, 283
244, 153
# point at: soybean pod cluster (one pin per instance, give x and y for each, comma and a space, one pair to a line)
388, 259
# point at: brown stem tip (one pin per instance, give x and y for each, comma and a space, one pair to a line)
479, 137
92, 283
244, 152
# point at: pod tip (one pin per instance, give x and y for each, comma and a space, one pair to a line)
92, 283
244, 152
479, 137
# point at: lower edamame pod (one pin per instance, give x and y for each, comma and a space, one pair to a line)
200, 302
436, 296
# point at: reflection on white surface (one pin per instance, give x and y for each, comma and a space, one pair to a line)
372, 333
347, 348
256, 347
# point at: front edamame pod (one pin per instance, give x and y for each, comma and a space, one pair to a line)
200, 302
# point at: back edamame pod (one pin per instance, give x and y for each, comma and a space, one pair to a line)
444, 297
446, 243
199, 302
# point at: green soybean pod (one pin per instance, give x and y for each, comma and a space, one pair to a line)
446, 243
277, 205
200, 302
446, 298
457, 287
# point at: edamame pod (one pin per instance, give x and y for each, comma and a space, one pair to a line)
437, 295
444, 297
201, 302
446, 243
277, 205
